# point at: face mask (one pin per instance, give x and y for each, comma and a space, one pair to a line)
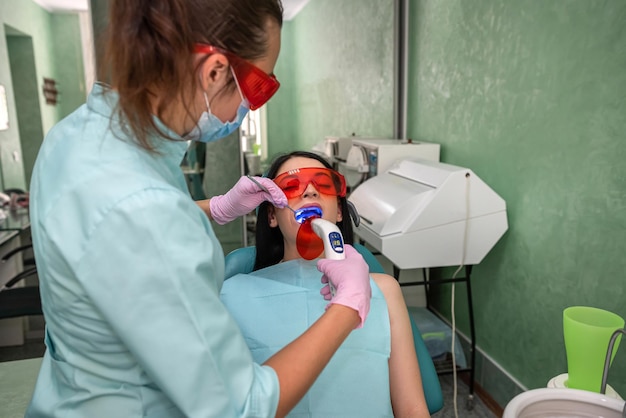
209, 128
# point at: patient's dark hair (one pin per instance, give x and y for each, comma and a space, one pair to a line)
269, 241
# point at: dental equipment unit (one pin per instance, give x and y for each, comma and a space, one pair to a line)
331, 236
333, 242
421, 213
361, 158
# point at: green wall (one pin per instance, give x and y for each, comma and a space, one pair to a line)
68, 61
529, 95
26, 89
56, 53
99, 16
336, 74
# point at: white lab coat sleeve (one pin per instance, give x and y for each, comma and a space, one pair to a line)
150, 266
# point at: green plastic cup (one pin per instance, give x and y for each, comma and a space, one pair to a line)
587, 332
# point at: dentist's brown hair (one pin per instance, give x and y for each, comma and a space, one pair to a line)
149, 50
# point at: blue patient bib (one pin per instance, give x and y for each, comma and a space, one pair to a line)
275, 305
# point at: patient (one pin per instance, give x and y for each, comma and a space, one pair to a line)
375, 373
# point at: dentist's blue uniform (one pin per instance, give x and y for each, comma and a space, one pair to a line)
130, 274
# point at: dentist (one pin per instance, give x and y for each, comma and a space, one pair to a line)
130, 270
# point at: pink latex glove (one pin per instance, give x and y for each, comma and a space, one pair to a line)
351, 279
244, 197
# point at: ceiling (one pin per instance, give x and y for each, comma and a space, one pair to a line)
291, 7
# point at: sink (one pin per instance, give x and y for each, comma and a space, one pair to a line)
563, 403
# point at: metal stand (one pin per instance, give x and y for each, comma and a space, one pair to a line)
607, 360
427, 282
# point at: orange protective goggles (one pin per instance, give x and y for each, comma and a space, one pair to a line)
326, 181
256, 86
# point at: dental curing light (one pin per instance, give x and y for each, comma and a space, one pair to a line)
307, 212
333, 242
332, 238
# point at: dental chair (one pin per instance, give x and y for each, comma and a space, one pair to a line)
20, 301
241, 260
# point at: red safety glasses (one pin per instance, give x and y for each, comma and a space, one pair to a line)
325, 181
256, 86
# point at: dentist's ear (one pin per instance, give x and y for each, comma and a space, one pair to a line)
214, 71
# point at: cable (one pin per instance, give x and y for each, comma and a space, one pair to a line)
452, 313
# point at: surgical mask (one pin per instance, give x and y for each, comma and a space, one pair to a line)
210, 128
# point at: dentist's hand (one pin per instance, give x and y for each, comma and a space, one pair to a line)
351, 279
244, 197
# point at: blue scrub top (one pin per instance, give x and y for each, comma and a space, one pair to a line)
130, 273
